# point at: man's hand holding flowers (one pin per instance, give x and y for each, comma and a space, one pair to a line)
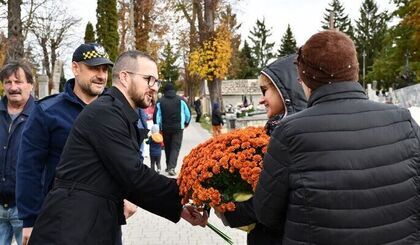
193, 215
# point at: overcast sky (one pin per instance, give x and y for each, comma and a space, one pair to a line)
304, 16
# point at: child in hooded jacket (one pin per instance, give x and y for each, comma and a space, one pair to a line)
155, 150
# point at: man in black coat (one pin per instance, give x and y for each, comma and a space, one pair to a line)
100, 167
345, 170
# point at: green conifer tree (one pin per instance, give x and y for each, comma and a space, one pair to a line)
89, 33
107, 29
248, 69
369, 34
341, 20
107, 26
168, 64
261, 48
398, 64
288, 43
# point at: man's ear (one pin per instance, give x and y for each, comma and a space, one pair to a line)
124, 79
75, 68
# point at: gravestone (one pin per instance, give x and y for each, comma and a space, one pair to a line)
42, 86
58, 69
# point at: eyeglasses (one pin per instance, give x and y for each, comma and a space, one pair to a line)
151, 80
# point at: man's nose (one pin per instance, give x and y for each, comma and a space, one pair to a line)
14, 86
102, 73
155, 87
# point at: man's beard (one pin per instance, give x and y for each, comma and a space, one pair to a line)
138, 98
140, 102
88, 88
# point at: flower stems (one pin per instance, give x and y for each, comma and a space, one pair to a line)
220, 233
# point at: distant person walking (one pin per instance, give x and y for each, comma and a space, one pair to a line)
172, 116
197, 108
216, 119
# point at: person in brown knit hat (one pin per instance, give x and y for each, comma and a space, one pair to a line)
345, 170
328, 56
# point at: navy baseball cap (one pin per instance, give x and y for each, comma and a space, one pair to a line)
92, 54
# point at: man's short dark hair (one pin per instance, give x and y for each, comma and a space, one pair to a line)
12, 68
128, 61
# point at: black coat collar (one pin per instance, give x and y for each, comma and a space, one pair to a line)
127, 109
337, 91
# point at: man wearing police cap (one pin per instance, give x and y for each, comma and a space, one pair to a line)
48, 127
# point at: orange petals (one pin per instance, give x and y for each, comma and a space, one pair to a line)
237, 154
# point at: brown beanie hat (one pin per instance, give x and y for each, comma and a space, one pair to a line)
327, 57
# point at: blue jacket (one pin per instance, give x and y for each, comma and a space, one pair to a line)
10, 134
43, 140
155, 149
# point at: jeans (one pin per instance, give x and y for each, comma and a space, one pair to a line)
9, 225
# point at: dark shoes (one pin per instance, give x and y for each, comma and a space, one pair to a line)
171, 172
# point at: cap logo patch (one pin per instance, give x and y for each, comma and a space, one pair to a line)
100, 50
95, 54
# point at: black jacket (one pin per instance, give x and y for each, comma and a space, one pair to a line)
172, 112
343, 171
98, 168
283, 74
216, 115
197, 106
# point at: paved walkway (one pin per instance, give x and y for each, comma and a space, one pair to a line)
145, 228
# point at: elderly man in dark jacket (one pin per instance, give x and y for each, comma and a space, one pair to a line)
345, 170
15, 108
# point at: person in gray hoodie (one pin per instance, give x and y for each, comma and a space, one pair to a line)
282, 95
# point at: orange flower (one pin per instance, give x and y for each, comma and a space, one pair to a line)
210, 170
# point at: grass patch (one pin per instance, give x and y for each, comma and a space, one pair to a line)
205, 122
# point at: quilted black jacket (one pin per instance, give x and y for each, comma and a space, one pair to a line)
343, 171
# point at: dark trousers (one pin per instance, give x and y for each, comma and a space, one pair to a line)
172, 140
155, 160
197, 119
118, 240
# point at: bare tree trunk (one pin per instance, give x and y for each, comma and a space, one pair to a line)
203, 14
54, 47
46, 62
208, 33
124, 24
3, 48
190, 81
143, 23
14, 35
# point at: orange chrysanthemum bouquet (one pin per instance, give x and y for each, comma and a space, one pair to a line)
223, 169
